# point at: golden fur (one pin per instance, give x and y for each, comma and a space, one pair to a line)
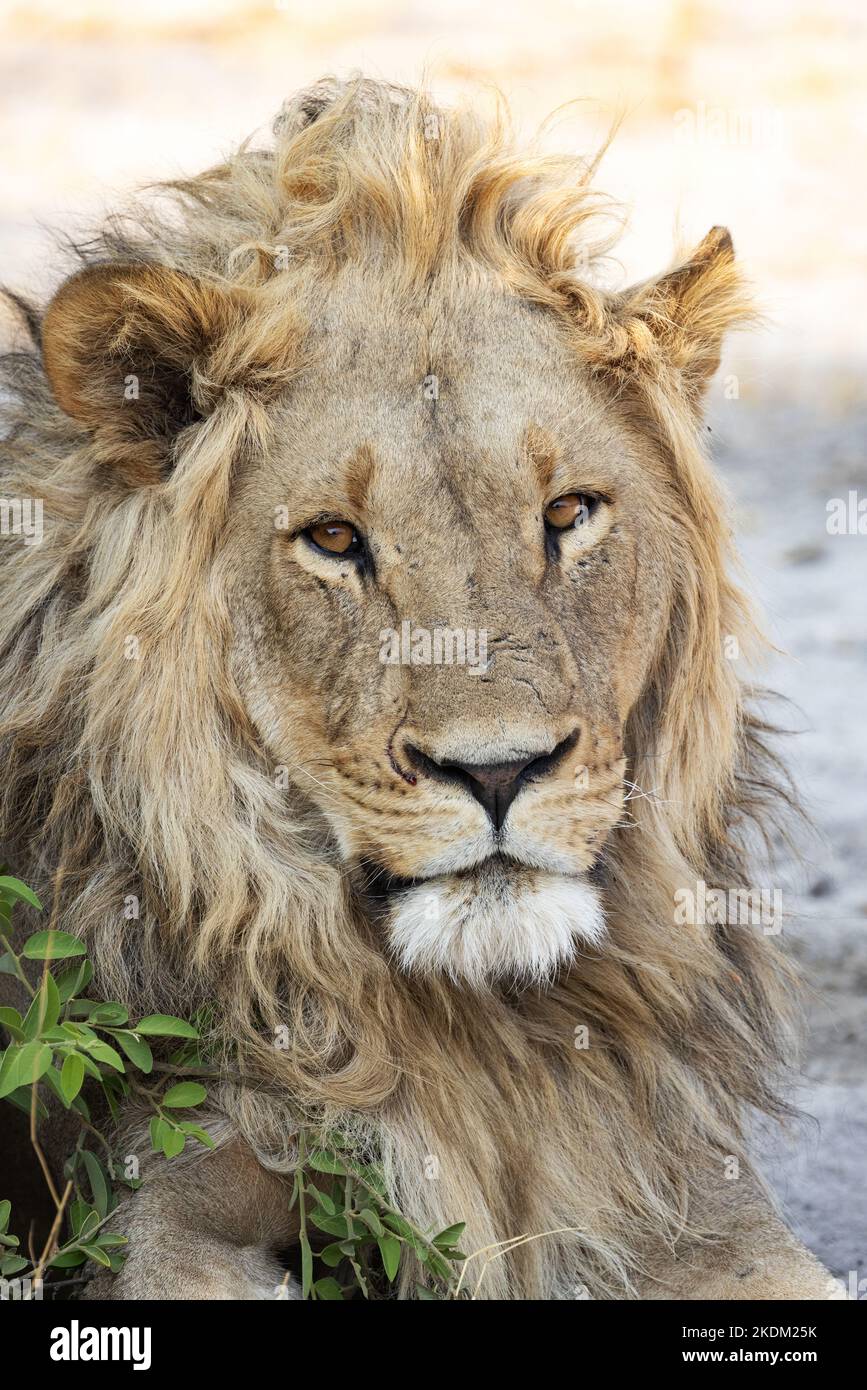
149, 777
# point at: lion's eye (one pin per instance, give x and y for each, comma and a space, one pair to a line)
336, 537
571, 510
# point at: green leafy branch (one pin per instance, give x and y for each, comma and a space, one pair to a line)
68, 1043
346, 1200
63, 1040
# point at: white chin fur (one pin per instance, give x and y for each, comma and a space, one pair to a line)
492, 925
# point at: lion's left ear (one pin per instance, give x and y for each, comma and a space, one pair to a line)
688, 311
124, 347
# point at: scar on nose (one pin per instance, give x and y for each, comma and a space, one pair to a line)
389, 753
542, 453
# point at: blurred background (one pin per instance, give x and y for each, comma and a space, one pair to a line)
751, 115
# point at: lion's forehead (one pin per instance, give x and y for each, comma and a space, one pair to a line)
447, 408
464, 343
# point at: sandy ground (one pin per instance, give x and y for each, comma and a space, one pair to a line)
783, 463
750, 115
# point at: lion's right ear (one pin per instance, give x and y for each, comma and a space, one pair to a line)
687, 312
120, 346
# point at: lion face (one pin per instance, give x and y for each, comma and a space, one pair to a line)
442, 495
448, 580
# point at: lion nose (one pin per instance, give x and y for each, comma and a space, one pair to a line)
495, 785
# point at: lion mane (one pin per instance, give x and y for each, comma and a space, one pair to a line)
142, 780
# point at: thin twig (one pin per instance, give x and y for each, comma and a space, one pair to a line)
52, 1234
37, 1147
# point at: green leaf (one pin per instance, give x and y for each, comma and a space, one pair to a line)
13, 889
8, 1063
108, 1240
91, 1068
174, 1140
5, 1213
44, 1010
89, 1224
136, 1049
76, 1032
331, 1225
164, 1026
52, 1000
93, 1252
98, 1180
12, 1264
68, 1259
71, 1077
201, 1134
332, 1254
437, 1264
10, 1241
184, 1095
372, 1222
398, 1224
329, 1289
29, 1062
78, 1211
52, 945
7, 964
112, 1014
450, 1236
11, 1019
157, 1128
325, 1202
73, 979
101, 1052
389, 1249
427, 1294
324, 1162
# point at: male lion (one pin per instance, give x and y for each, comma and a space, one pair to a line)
343, 413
